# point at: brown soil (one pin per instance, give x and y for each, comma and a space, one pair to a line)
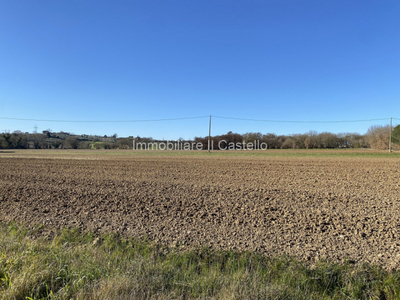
311, 208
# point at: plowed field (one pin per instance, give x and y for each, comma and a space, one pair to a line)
308, 207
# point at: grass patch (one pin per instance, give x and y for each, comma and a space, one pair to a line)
80, 266
323, 153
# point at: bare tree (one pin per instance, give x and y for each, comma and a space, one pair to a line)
307, 142
378, 137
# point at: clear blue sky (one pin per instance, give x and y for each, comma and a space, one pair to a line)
127, 60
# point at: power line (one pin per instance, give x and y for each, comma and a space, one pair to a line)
103, 121
198, 117
288, 121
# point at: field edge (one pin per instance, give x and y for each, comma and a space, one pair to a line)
81, 265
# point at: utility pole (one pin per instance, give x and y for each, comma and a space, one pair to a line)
209, 135
390, 139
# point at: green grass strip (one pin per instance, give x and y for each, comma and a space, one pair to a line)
73, 265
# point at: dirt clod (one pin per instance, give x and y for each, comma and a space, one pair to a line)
312, 208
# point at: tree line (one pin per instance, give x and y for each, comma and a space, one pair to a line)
61, 140
377, 137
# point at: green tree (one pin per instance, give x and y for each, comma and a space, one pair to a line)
7, 143
72, 142
396, 135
